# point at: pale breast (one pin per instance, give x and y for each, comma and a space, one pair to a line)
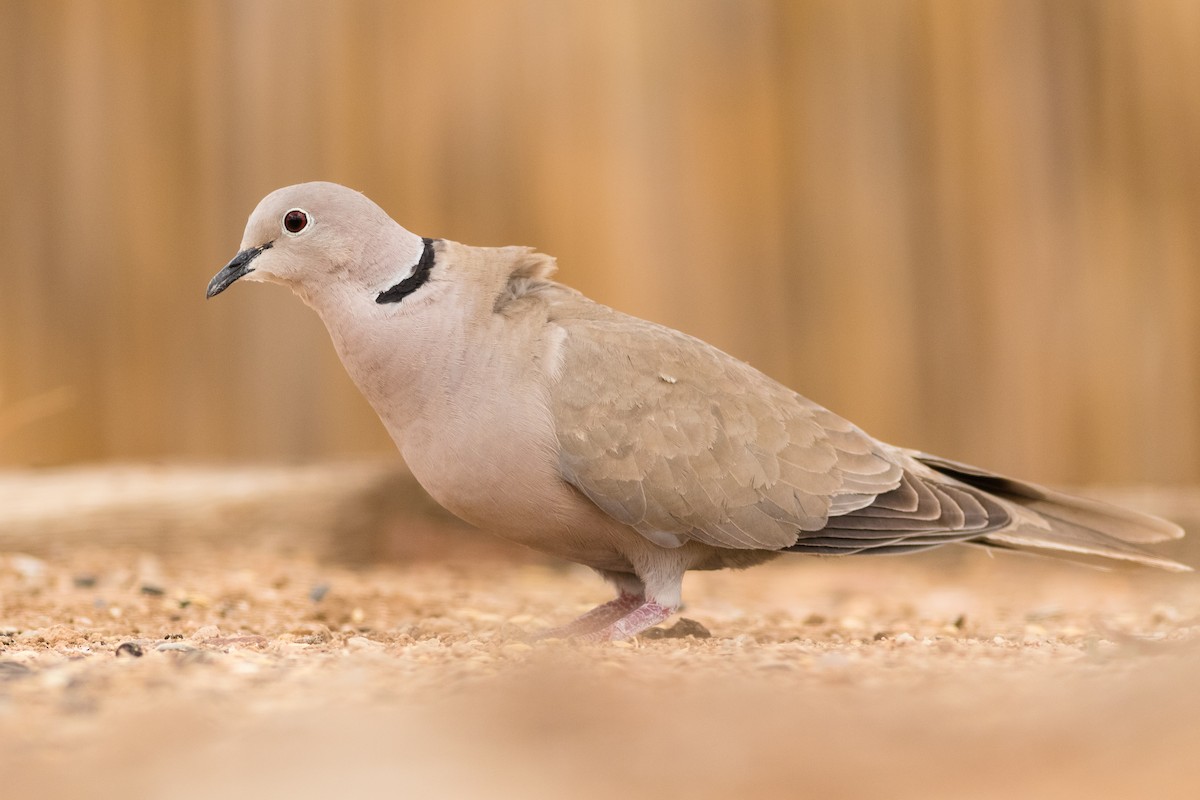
495, 465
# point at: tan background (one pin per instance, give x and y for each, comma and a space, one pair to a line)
970, 227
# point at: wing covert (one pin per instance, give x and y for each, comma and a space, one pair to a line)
681, 441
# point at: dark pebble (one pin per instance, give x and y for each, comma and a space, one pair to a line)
132, 649
318, 592
680, 630
152, 590
84, 581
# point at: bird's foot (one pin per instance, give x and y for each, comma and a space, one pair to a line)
647, 615
600, 617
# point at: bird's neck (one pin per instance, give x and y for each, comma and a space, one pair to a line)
403, 363
410, 358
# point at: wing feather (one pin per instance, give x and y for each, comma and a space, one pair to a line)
671, 436
683, 442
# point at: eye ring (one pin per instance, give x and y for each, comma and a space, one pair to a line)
295, 221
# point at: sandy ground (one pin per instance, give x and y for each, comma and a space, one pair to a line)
250, 673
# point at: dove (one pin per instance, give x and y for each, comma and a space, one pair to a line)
529, 410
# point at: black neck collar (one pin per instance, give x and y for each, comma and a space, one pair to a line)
419, 275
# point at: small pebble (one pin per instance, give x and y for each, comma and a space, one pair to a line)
206, 632
680, 630
905, 638
84, 581
152, 590
131, 649
318, 592
363, 643
174, 647
28, 567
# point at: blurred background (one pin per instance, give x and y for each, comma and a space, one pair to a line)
972, 228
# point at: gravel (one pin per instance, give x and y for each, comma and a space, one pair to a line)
890, 677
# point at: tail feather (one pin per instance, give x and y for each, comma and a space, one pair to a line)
1054, 522
1074, 540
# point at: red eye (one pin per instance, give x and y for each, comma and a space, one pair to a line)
295, 221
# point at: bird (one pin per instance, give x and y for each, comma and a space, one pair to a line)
527, 409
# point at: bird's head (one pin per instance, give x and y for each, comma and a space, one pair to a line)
315, 235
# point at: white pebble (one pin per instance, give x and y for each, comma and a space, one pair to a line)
28, 567
207, 632
363, 643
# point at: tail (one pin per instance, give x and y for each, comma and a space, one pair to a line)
1054, 523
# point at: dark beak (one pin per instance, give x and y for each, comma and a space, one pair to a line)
235, 269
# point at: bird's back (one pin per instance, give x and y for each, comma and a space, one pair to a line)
685, 443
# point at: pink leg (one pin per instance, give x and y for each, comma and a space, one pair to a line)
646, 615
599, 617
